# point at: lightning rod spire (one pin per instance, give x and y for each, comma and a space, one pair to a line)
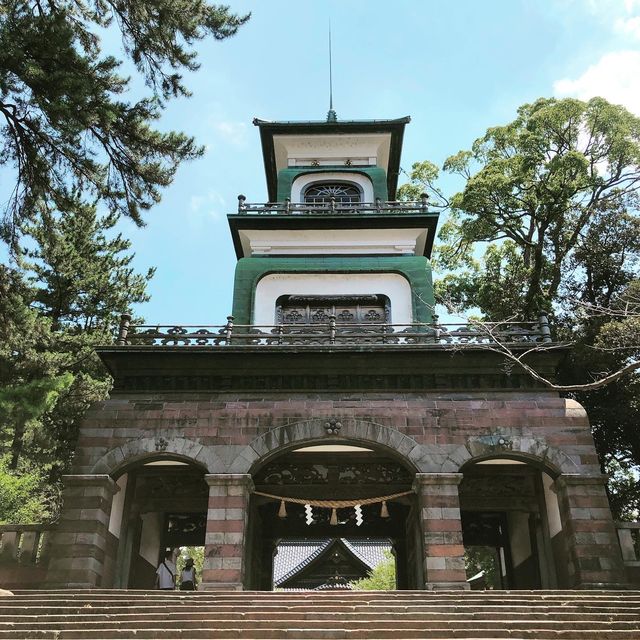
331, 115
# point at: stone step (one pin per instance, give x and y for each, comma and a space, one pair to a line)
238, 598
517, 615
316, 633
392, 623
327, 595
196, 613
43, 609
440, 596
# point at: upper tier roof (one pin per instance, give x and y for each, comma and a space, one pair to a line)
388, 136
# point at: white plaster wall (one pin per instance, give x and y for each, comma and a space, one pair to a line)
520, 537
333, 148
117, 506
392, 285
551, 501
150, 536
333, 241
301, 182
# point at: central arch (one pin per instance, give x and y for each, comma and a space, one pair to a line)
331, 458
335, 429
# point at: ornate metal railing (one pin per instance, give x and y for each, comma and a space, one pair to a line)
332, 207
334, 333
25, 543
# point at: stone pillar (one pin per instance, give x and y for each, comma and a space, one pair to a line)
79, 543
441, 530
224, 551
591, 542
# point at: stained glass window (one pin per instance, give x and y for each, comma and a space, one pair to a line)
343, 193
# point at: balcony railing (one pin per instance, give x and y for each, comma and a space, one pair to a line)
331, 207
335, 333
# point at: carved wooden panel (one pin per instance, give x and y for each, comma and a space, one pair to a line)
335, 473
310, 310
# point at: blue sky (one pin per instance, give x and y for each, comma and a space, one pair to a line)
456, 67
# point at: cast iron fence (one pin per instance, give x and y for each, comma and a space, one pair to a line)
335, 333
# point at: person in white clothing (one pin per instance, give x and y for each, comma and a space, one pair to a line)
166, 573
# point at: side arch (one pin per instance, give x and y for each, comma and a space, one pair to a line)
135, 451
497, 445
314, 431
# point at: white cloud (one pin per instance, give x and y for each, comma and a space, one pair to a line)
615, 77
209, 205
196, 203
629, 26
233, 132
630, 5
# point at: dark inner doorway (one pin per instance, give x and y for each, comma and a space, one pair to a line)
331, 473
165, 508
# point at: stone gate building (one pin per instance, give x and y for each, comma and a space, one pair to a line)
334, 380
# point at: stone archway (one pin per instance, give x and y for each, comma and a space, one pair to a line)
505, 445
508, 487
160, 502
312, 469
137, 451
338, 429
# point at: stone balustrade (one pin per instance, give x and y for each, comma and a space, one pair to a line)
24, 543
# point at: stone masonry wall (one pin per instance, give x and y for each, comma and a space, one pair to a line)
448, 429
230, 435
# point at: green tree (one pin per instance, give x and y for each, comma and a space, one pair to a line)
540, 182
78, 144
483, 560
62, 300
68, 129
25, 498
381, 578
24, 404
548, 219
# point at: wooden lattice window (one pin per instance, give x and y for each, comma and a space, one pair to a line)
296, 310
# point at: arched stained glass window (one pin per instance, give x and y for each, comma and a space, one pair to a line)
344, 193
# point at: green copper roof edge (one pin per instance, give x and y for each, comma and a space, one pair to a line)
287, 176
416, 269
238, 221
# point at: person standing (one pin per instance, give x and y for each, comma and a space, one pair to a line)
188, 576
166, 573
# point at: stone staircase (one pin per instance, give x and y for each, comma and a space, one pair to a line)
534, 615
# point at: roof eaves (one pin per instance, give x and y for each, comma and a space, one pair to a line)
300, 566
268, 128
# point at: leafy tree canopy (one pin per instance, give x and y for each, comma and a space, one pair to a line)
83, 153
548, 219
66, 127
548, 183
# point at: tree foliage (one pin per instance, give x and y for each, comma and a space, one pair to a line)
381, 578
548, 219
68, 130
26, 498
82, 152
62, 299
544, 182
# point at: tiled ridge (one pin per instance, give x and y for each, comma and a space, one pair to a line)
397, 615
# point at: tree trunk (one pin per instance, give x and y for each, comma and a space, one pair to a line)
16, 445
